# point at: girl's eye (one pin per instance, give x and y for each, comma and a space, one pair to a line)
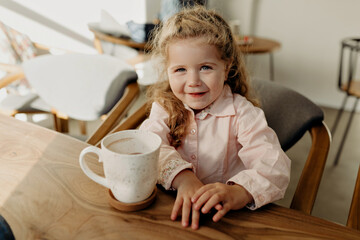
180, 70
205, 67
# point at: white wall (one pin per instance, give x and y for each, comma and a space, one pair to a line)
310, 32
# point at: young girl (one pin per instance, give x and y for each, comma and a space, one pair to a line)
218, 151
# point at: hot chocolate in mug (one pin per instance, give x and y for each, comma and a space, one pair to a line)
130, 162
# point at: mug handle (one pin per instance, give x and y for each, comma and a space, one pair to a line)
93, 176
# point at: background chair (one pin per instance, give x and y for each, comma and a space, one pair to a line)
83, 86
291, 115
18, 97
15, 47
354, 213
350, 49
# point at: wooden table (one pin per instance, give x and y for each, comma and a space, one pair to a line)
260, 45
45, 195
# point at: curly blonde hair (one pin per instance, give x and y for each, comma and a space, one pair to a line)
194, 22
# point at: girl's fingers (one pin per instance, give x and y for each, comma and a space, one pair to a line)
203, 195
195, 219
200, 192
186, 212
210, 197
221, 213
218, 206
176, 208
203, 199
213, 201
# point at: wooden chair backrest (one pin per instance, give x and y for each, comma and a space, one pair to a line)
309, 182
115, 115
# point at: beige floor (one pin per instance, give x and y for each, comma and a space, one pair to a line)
336, 189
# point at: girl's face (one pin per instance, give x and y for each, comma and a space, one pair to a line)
196, 72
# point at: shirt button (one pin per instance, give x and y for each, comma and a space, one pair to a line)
193, 131
193, 157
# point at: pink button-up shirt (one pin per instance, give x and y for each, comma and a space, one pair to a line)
228, 142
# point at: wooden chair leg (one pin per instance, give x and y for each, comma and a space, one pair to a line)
56, 124
354, 213
64, 125
82, 126
336, 161
338, 116
98, 46
61, 122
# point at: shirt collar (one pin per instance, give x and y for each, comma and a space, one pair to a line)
221, 107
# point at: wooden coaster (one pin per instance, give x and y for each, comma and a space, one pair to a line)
131, 207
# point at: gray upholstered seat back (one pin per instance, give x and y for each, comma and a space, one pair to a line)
288, 113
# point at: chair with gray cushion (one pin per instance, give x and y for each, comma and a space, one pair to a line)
291, 115
83, 86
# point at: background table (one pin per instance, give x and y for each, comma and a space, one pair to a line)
258, 45
262, 46
45, 195
100, 36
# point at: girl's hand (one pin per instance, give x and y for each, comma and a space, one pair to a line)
232, 197
186, 184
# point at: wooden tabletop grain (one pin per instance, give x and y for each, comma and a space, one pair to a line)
45, 195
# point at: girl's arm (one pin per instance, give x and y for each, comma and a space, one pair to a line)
170, 161
174, 172
267, 173
267, 168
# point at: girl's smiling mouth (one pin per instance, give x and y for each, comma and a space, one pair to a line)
197, 94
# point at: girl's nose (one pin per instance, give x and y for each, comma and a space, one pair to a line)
193, 80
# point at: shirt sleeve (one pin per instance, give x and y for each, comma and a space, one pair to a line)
267, 167
170, 161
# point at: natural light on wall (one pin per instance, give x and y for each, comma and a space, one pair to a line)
64, 24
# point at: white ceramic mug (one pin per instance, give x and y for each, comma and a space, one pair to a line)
130, 161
